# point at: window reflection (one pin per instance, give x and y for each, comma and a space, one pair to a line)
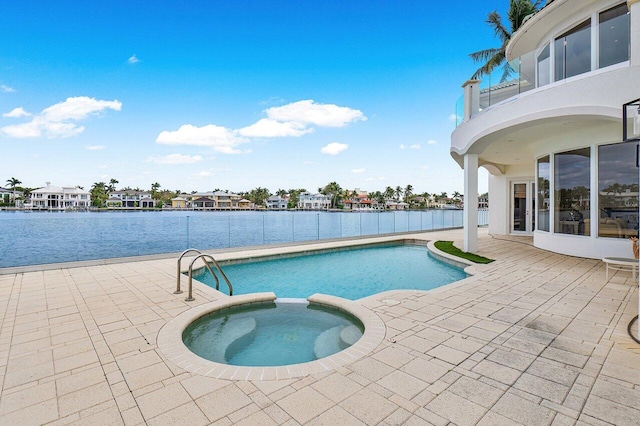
544, 175
572, 192
618, 190
573, 51
544, 67
614, 35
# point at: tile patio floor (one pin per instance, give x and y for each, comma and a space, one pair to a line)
534, 338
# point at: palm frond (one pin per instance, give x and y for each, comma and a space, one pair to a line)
507, 71
484, 55
499, 30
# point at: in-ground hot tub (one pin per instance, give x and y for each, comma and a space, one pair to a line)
276, 333
357, 332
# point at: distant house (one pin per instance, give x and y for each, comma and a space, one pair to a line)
179, 203
395, 205
276, 202
244, 204
203, 202
359, 201
7, 196
59, 198
130, 200
310, 201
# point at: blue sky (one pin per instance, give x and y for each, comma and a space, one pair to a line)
236, 94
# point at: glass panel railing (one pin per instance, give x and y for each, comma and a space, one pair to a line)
39, 238
458, 114
508, 81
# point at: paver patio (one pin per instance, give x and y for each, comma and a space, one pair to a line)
535, 338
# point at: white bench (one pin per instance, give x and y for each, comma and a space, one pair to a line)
621, 264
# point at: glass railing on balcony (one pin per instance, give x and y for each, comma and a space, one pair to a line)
505, 82
508, 81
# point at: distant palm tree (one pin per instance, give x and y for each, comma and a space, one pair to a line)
495, 57
408, 193
388, 193
112, 185
154, 189
398, 191
13, 183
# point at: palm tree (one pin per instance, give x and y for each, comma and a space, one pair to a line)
112, 185
495, 57
333, 191
388, 193
154, 189
99, 194
13, 183
398, 191
408, 193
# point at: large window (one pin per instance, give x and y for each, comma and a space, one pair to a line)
573, 51
544, 174
544, 67
614, 35
572, 192
618, 190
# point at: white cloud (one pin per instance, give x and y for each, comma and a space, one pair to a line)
376, 179
334, 148
175, 159
269, 128
95, 147
7, 89
358, 171
414, 146
57, 121
310, 112
133, 59
455, 117
202, 174
219, 138
432, 142
17, 113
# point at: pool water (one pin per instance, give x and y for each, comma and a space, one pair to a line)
350, 273
271, 334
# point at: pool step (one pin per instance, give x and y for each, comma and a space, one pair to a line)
233, 335
335, 339
350, 335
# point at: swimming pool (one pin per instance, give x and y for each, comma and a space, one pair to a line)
351, 273
272, 334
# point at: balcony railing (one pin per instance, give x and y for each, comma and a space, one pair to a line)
506, 82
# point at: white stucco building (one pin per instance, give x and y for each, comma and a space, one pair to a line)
130, 200
59, 198
551, 135
310, 201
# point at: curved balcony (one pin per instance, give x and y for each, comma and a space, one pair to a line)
510, 131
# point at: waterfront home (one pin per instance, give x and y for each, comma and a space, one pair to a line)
310, 201
359, 200
130, 200
244, 204
550, 136
179, 203
202, 202
8, 196
396, 205
276, 202
59, 198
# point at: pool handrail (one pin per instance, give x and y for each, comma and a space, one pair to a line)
178, 274
204, 257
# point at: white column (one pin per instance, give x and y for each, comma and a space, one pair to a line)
471, 98
470, 213
634, 9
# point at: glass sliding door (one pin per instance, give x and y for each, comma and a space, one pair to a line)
572, 191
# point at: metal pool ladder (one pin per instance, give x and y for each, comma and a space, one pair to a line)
205, 257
